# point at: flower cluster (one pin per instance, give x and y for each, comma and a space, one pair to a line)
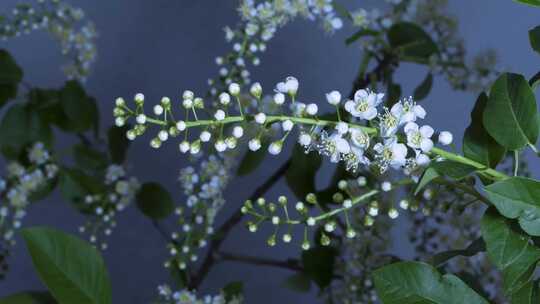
61, 21
396, 140
22, 185
168, 296
204, 191
450, 60
358, 204
260, 22
103, 207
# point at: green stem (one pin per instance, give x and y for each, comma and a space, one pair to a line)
481, 168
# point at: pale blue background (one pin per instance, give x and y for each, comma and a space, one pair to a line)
162, 47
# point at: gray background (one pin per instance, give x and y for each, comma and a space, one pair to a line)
162, 47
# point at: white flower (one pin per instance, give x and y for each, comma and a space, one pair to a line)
312, 109
184, 146
422, 160
419, 138
359, 138
141, 119
158, 109
287, 125
304, 139
275, 147
279, 98
256, 90
408, 111
254, 144
445, 138
238, 131
181, 125
188, 95
364, 105
220, 145
260, 118
291, 85
391, 154
388, 124
219, 115
163, 135
205, 136
139, 97
224, 98
120, 121
234, 89
120, 102
342, 127
335, 146
386, 186
333, 98
187, 103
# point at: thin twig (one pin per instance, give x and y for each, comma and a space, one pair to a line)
226, 227
291, 264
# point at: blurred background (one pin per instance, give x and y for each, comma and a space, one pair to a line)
163, 47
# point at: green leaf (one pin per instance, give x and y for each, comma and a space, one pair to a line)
518, 198
10, 77
298, 282
422, 91
412, 42
415, 283
252, 160
154, 201
359, 34
88, 158
534, 38
29, 297
301, 174
478, 145
510, 116
80, 109
72, 269
118, 143
318, 264
427, 177
474, 247
529, 2
394, 94
20, 127
528, 294
510, 250
452, 169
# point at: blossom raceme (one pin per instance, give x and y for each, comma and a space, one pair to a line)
396, 141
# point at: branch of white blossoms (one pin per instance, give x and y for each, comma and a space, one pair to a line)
350, 194
101, 208
374, 137
184, 296
61, 21
23, 183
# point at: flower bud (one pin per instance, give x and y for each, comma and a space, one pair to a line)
256, 90
445, 138
260, 118
234, 89
312, 109
279, 98
224, 98
333, 98
188, 95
